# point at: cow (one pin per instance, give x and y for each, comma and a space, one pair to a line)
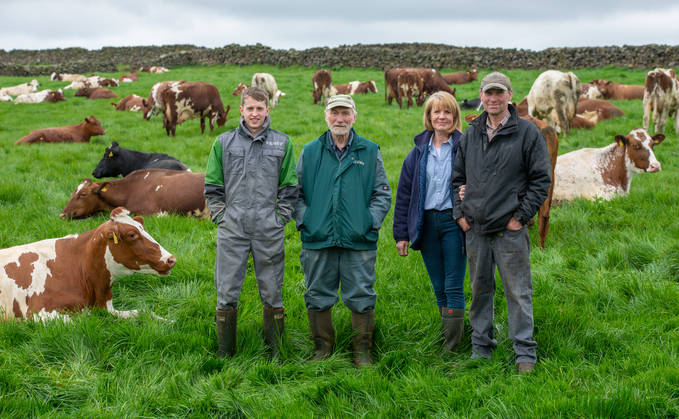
616, 91
127, 78
322, 81
154, 104
95, 93
410, 84
92, 81
266, 82
605, 109
45, 279
661, 98
132, 103
588, 90
52, 96
588, 120
193, 100
604, 173
462, 77
554, 98
353, 88
431, 79
552, 140
4, 97
21, 89
121, 161
472, 104
67, 77
154, 69
239, 89
147, 192
79, 133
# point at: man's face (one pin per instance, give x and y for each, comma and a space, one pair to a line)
254, 112
495, 101
340, 120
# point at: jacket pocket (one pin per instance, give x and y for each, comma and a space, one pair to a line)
236, 160
271, 162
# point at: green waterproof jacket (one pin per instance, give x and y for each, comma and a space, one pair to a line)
341, 203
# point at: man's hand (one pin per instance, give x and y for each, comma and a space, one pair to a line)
402, 247
463, 224
462, 189
514, 225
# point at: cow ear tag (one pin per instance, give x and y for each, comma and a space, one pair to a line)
110, 154
103, 189
115, 238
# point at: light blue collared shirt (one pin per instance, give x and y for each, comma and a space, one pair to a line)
439, 176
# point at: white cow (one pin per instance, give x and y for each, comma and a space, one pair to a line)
20, 89
554, 98
266, 82
42, 96
4, 97
661, 99
92, 81
66, 77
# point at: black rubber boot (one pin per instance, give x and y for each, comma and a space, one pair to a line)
362, 325
226, 332
274, 326
322, 332
452, 320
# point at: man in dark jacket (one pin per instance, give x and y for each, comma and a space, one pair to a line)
344, 196
504, 165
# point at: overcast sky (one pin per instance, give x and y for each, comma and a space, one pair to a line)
302, 24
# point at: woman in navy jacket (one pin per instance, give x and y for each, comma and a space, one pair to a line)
423, 215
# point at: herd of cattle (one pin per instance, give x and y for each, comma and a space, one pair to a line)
38, 279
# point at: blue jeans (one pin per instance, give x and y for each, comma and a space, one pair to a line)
443, 254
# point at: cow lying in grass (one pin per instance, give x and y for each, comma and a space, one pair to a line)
79, 133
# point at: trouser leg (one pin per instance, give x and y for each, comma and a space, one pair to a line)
357, 279
482, 278
321, 277
268, 257
230, 266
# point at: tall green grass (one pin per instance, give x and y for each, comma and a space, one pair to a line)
606, 287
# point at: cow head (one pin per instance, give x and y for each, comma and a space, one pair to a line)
221, 116
372, 87
130, 249
239, 89
473, 74
276, 98
55, 96
601, 86
93, 126
83, 91
108, 165
53, 77
86, 200
639, 149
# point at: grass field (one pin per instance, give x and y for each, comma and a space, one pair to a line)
606, 292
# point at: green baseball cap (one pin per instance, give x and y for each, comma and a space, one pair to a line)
496, 80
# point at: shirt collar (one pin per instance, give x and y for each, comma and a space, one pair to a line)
431, 141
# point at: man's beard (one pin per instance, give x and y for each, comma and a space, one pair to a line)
341, 130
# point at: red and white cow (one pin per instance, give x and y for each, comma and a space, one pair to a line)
48, 95
353, 88
79, 133
132, 103
67, 77
95, 93
616, 91
661, 98
154, 69
154, 104
42, 280
322, 81
147, 191
92, 81
554, 98
128, 78
193, 100
239, 89
432, 82
603, 173
605, 109
21, 89
410, 85
266, 82
461, 78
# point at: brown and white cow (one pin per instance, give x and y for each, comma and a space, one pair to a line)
266, 82
128, 78
154, 69
431, 79
410, 84
92, 81
353, 88
154, 104
21, 89
554, 98
463, 77
67, 77
193, 100
45, 279
147, 191
132, 103
322, 81
95, 93
661, 99
48, 95
605, 109
606, 172
588, 90
79, 133
585, 120
239, 89
617, 91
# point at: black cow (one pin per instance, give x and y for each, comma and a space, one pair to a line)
472, 104
120, 161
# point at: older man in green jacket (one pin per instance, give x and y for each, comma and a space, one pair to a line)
343, 199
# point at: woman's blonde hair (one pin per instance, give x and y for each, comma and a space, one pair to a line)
446, 101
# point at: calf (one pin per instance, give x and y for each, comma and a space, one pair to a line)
154, 69
95, 93
51, 96
267, 83
154, 104
193, 100
353, 88
322, 81
120, 161
92, 81
79, 133
472, 104
554, 98
239, 89
661, 98
67, 77
41, 280
461, 78
4, 97
148, 191
410, 84
588, 121
603, 173
21, 89
127, 78
617, 91
132, 103
605, 109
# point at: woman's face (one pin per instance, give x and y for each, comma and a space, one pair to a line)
442, 119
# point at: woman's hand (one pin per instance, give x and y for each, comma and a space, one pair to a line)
402, 247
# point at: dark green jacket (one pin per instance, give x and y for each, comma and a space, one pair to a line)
341, 203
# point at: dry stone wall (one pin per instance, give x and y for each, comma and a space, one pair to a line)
382, 56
